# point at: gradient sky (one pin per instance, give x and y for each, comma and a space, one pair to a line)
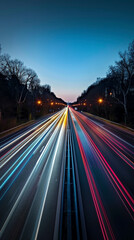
68, 43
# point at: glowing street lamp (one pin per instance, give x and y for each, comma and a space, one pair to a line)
100, 100
39, 102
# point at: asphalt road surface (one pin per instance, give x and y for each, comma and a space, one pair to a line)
69, 176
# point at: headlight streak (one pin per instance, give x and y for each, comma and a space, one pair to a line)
19, 137
35, 145
37, 168
100, 211
123, 191
23, 134
35, 234
34, 134
6, 157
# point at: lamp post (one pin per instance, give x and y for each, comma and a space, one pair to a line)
100, 109
39, 107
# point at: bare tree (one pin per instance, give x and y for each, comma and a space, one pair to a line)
27, 77
123, 72
47, 88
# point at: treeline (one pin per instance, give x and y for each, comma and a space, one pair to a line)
112, 97
22, 98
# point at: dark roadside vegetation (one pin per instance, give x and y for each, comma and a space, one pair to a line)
112, 97
22, 98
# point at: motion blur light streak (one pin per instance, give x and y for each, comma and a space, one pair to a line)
23, 134
31, 175
112, 142
26, 153
68, 176
37, 142
118, 183
51, 167
95, 193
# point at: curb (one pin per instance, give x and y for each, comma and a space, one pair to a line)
15, 129
18, 126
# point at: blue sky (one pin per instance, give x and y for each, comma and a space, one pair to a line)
68, 43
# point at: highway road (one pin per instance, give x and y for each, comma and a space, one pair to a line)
69, 176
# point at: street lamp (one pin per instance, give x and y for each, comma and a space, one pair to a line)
100, 100
39, 102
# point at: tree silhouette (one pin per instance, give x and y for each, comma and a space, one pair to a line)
123, 72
